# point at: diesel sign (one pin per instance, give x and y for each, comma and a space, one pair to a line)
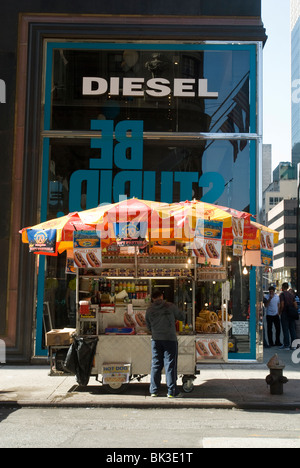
155, 87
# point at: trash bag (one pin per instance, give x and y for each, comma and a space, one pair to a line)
80, 357
70, 364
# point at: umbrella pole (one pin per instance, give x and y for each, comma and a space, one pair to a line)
136, 261
77, 300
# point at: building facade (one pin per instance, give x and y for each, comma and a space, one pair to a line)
295, 78
160, 101
266, 166
283, 218
295, 107
278, 190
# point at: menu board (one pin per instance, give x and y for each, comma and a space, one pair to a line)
87, 249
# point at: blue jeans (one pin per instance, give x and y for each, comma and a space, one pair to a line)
289, 329
164, 355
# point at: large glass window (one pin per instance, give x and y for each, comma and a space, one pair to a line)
165, 122
209, 170
169, 90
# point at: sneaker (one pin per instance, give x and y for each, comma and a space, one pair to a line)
178, 395
286, 348
154, 395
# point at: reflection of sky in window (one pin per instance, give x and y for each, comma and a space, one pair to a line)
218, 157
225, 71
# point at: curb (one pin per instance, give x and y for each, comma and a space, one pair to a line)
189, 404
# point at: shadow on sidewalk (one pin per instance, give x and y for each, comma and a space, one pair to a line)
238, 392
6, 411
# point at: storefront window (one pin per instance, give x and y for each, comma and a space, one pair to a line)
169, 90
151, 121
208, 170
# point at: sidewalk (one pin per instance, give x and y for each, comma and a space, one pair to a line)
218, 386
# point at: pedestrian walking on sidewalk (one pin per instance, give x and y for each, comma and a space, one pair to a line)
272, 303
161, 319
297, 299
288, 323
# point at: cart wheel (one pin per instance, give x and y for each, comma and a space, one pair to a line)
116, 387
188, 384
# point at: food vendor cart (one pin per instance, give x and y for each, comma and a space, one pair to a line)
115, 312
177, 248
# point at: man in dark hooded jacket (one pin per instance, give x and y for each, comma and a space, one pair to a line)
161, 318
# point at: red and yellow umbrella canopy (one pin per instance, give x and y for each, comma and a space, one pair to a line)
64, 227
102, 220
187, 214
164, 221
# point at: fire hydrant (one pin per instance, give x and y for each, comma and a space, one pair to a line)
276, 379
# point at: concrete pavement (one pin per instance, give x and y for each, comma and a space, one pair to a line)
217, 386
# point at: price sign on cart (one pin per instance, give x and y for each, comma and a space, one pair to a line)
114, 374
